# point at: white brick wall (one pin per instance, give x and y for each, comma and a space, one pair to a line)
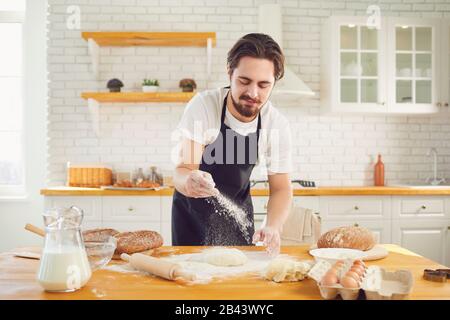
332, 150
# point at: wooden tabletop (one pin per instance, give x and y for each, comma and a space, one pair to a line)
319, 191
17, 281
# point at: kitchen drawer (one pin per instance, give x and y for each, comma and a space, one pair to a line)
166, 232
129, 209
310, 202
258, 220
260, 204
86, 225
355, 207
91, 206
166, 208
133, 226
380, 228
416, 207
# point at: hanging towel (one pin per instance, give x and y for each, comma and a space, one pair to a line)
301, 227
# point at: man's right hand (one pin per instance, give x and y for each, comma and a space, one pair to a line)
200, 184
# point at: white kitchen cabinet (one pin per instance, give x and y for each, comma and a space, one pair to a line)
413, 61
400, 68
428, 238
166, 219
425, 207
350, 208
381, 229
353, 73
91, 206
444, 100
123, 226
131, 209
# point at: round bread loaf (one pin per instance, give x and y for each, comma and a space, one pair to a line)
98, 235
137, 241
350, 237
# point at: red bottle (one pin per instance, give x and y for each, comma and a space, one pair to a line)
379, 172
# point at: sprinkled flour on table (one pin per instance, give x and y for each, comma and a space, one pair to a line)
194, 263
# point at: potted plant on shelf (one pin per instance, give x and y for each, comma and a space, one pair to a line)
114, 85
188, 85
150, 85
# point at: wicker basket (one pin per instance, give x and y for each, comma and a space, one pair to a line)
88, 175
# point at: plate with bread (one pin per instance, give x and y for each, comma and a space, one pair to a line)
359, 239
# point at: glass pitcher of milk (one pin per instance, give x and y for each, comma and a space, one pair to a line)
64, 263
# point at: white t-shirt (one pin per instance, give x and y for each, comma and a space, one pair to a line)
201, 123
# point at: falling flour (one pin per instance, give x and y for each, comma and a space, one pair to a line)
224, 206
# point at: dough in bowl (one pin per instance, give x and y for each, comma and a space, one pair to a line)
225, 257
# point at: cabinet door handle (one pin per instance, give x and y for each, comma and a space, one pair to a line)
130, 209
423, 207
356, 208
448, 227
446, 104
382, 103
356, 225
438, 104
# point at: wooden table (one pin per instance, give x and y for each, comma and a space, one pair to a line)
17, 281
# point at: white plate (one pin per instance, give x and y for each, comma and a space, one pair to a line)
334, 254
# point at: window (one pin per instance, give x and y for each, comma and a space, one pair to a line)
12, 178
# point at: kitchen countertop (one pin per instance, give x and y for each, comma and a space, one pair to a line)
17, 281
319, 191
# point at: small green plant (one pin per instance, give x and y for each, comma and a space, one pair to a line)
150, 82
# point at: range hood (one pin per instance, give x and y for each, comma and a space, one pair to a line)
270, 23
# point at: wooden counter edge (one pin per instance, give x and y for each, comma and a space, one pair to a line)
320, 191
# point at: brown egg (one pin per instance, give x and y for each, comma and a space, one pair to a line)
353, 275
359, 271
359, 263
339, 263
329, 279
333, 270
349, 282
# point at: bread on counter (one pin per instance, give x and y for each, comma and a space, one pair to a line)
351, 237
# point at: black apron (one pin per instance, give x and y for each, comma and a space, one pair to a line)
196, 221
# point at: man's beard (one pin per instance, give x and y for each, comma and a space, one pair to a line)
243, 110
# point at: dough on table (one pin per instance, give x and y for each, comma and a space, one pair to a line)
284, 269
225, 257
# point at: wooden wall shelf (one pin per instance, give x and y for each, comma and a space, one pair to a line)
137, 97
171, 39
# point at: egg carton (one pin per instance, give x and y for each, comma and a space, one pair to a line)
376, 284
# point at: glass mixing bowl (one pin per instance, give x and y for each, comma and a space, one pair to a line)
100, 253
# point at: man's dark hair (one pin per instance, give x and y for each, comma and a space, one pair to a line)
257, 45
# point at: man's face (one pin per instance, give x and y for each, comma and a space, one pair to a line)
251, 82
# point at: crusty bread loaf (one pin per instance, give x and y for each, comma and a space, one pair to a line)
98, 235
137, 241
350, 237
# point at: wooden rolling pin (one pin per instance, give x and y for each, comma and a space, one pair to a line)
158, 267
35, 229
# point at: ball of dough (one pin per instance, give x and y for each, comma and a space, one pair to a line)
225, 257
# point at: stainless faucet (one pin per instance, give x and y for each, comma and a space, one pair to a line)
435, 180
